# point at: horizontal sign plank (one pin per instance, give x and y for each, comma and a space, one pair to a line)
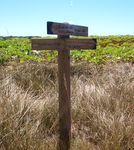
46, 44
57, 44
66, 29
81, 44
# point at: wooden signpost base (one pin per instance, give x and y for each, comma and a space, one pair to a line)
64, 44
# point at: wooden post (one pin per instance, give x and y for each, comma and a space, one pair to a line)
64, 96
64, 44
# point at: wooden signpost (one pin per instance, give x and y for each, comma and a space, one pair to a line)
66, 29
64, 44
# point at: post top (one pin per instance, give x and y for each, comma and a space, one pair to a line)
66, 29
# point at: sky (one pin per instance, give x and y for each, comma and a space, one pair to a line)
103, 17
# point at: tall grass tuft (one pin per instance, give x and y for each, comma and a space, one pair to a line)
102, 107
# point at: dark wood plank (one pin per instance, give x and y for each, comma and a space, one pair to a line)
46, 44
66, 29
58, 44
79, 44
64, 98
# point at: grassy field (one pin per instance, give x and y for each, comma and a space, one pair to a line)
102, 96
111, 48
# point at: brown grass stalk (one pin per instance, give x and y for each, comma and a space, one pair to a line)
102, 107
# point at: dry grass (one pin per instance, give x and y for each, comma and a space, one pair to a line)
102, 107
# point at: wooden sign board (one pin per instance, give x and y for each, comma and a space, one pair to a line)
46, 44
66, 29
58, 44
78, 44
64, 44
